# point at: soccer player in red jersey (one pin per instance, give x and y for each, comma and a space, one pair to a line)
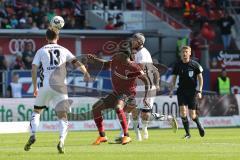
124, 73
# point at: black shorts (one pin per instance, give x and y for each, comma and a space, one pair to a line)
187, 98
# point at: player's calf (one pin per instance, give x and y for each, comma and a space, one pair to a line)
60, 148
31, 141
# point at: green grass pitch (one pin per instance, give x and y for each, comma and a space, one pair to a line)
219, 144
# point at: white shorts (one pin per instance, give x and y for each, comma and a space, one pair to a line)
51, 98
150, 99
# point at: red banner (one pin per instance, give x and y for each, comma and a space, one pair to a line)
16, 44
89, 45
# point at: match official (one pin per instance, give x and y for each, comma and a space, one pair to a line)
189, 72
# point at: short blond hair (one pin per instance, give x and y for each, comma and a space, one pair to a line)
185, 47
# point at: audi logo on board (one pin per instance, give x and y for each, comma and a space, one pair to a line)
17, 45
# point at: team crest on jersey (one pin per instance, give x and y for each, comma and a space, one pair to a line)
190, 73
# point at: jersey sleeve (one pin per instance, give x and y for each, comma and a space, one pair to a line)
69, 56
175, 69
199, 68
37, 59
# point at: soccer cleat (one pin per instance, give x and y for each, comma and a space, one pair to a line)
158, 116
126, 140
60, 148
31, 140
118, 140
201, 131
187, 136
173, 122
100, 140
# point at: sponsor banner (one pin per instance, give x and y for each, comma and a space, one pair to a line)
20, 109
78, 125
74, 81
229, 59
232, 74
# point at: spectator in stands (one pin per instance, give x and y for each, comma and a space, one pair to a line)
86, 25
13, 21
28, 55
18, 63
182, 41
110, 24
119, 23
5, 24
34, 26
50, 14
223, 83
22, 24
225, 24
196, 42
14, 90
3, 61
130, 5
71, 24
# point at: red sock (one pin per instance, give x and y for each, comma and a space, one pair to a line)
99, 124
123, 121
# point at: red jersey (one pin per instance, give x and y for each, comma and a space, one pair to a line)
124, 76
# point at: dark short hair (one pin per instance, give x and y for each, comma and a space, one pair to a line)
52, 33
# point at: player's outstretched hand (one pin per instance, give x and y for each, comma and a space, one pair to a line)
91, 56
35, 92
87, 77
199, 95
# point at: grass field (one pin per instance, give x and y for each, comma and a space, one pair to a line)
219, 144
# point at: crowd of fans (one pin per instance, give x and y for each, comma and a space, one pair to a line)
36, 14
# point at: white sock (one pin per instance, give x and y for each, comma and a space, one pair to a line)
128, 116
63, 129
145, 125
135, 126
34, 123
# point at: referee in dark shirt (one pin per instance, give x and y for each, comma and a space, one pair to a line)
189, 72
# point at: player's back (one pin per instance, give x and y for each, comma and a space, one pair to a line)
52, 58
144, 59
143, 56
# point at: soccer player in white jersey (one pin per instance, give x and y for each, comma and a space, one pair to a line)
53, 90
144, 59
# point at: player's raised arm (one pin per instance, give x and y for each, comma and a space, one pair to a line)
156, 77
82, 68
106, 64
